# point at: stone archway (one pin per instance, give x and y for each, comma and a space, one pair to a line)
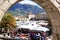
54, 16
52, 13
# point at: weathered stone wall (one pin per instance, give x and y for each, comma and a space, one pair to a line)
5, 6
54, 16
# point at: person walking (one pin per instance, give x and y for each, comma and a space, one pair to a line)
43, 36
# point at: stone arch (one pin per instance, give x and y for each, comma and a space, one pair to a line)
52, 13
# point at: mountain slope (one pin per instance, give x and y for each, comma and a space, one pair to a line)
24, 9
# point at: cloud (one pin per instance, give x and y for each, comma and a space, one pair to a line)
29, 2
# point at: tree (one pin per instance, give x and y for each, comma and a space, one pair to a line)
8, 21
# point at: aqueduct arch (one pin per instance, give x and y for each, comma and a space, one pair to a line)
52, 13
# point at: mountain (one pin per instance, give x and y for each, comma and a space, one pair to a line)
19, 9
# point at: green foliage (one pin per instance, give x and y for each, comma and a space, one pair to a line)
8, 21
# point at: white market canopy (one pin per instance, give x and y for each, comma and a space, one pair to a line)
40, 29
32, 26
43, 23
28, 26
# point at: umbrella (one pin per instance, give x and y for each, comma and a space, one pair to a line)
23, 26
43, 23
43, 29
40, 29
29, 26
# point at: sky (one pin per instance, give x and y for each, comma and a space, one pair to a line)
36, 9
29, 2
26, 0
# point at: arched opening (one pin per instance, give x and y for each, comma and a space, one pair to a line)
16, 9
51, 12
